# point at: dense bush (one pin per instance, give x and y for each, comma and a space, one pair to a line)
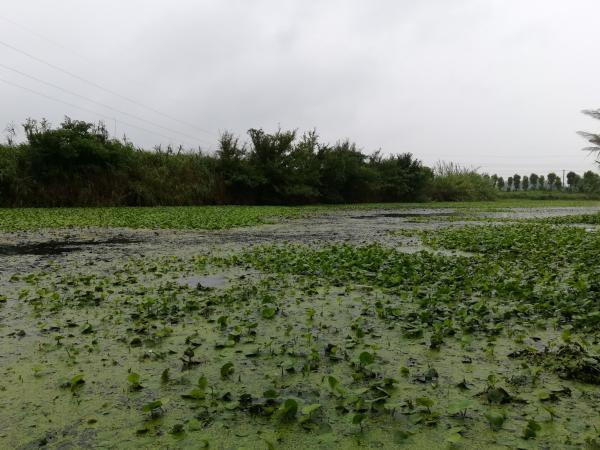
166, 177
400, 178
78, 164
12, 185
455, 183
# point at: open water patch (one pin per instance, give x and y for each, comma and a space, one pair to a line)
205, 281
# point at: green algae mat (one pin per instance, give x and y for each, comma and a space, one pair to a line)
223, 217
486, 338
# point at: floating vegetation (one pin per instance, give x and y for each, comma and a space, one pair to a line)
570, 361
339, 345
174, 217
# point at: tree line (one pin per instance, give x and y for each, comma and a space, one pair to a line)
589, 182
78, 164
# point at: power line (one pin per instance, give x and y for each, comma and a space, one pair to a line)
60, 45
98, 86
46, 39
86, 109
104, 105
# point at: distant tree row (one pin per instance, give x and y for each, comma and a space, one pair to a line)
589, 182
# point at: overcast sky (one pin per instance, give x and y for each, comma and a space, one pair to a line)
497, 84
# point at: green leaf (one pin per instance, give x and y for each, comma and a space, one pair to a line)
566, 335
424, 401
310, 409
543, 395
460, 406
227, 370
358, 418
268, 312
496, 419
288, 409
498, 396
195, 425
134, 381
333, 382
454, 438
366, 358
270, 393
76, 381
203, 382
149, 407
531, 429
195, 394
336, 386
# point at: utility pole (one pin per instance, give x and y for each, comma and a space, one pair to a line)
563, 183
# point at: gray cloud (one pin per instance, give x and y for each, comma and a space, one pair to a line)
491, 83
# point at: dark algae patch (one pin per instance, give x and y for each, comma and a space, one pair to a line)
323, 345
569, 361
58, 247
399, 215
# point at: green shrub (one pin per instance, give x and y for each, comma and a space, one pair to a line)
452, 182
